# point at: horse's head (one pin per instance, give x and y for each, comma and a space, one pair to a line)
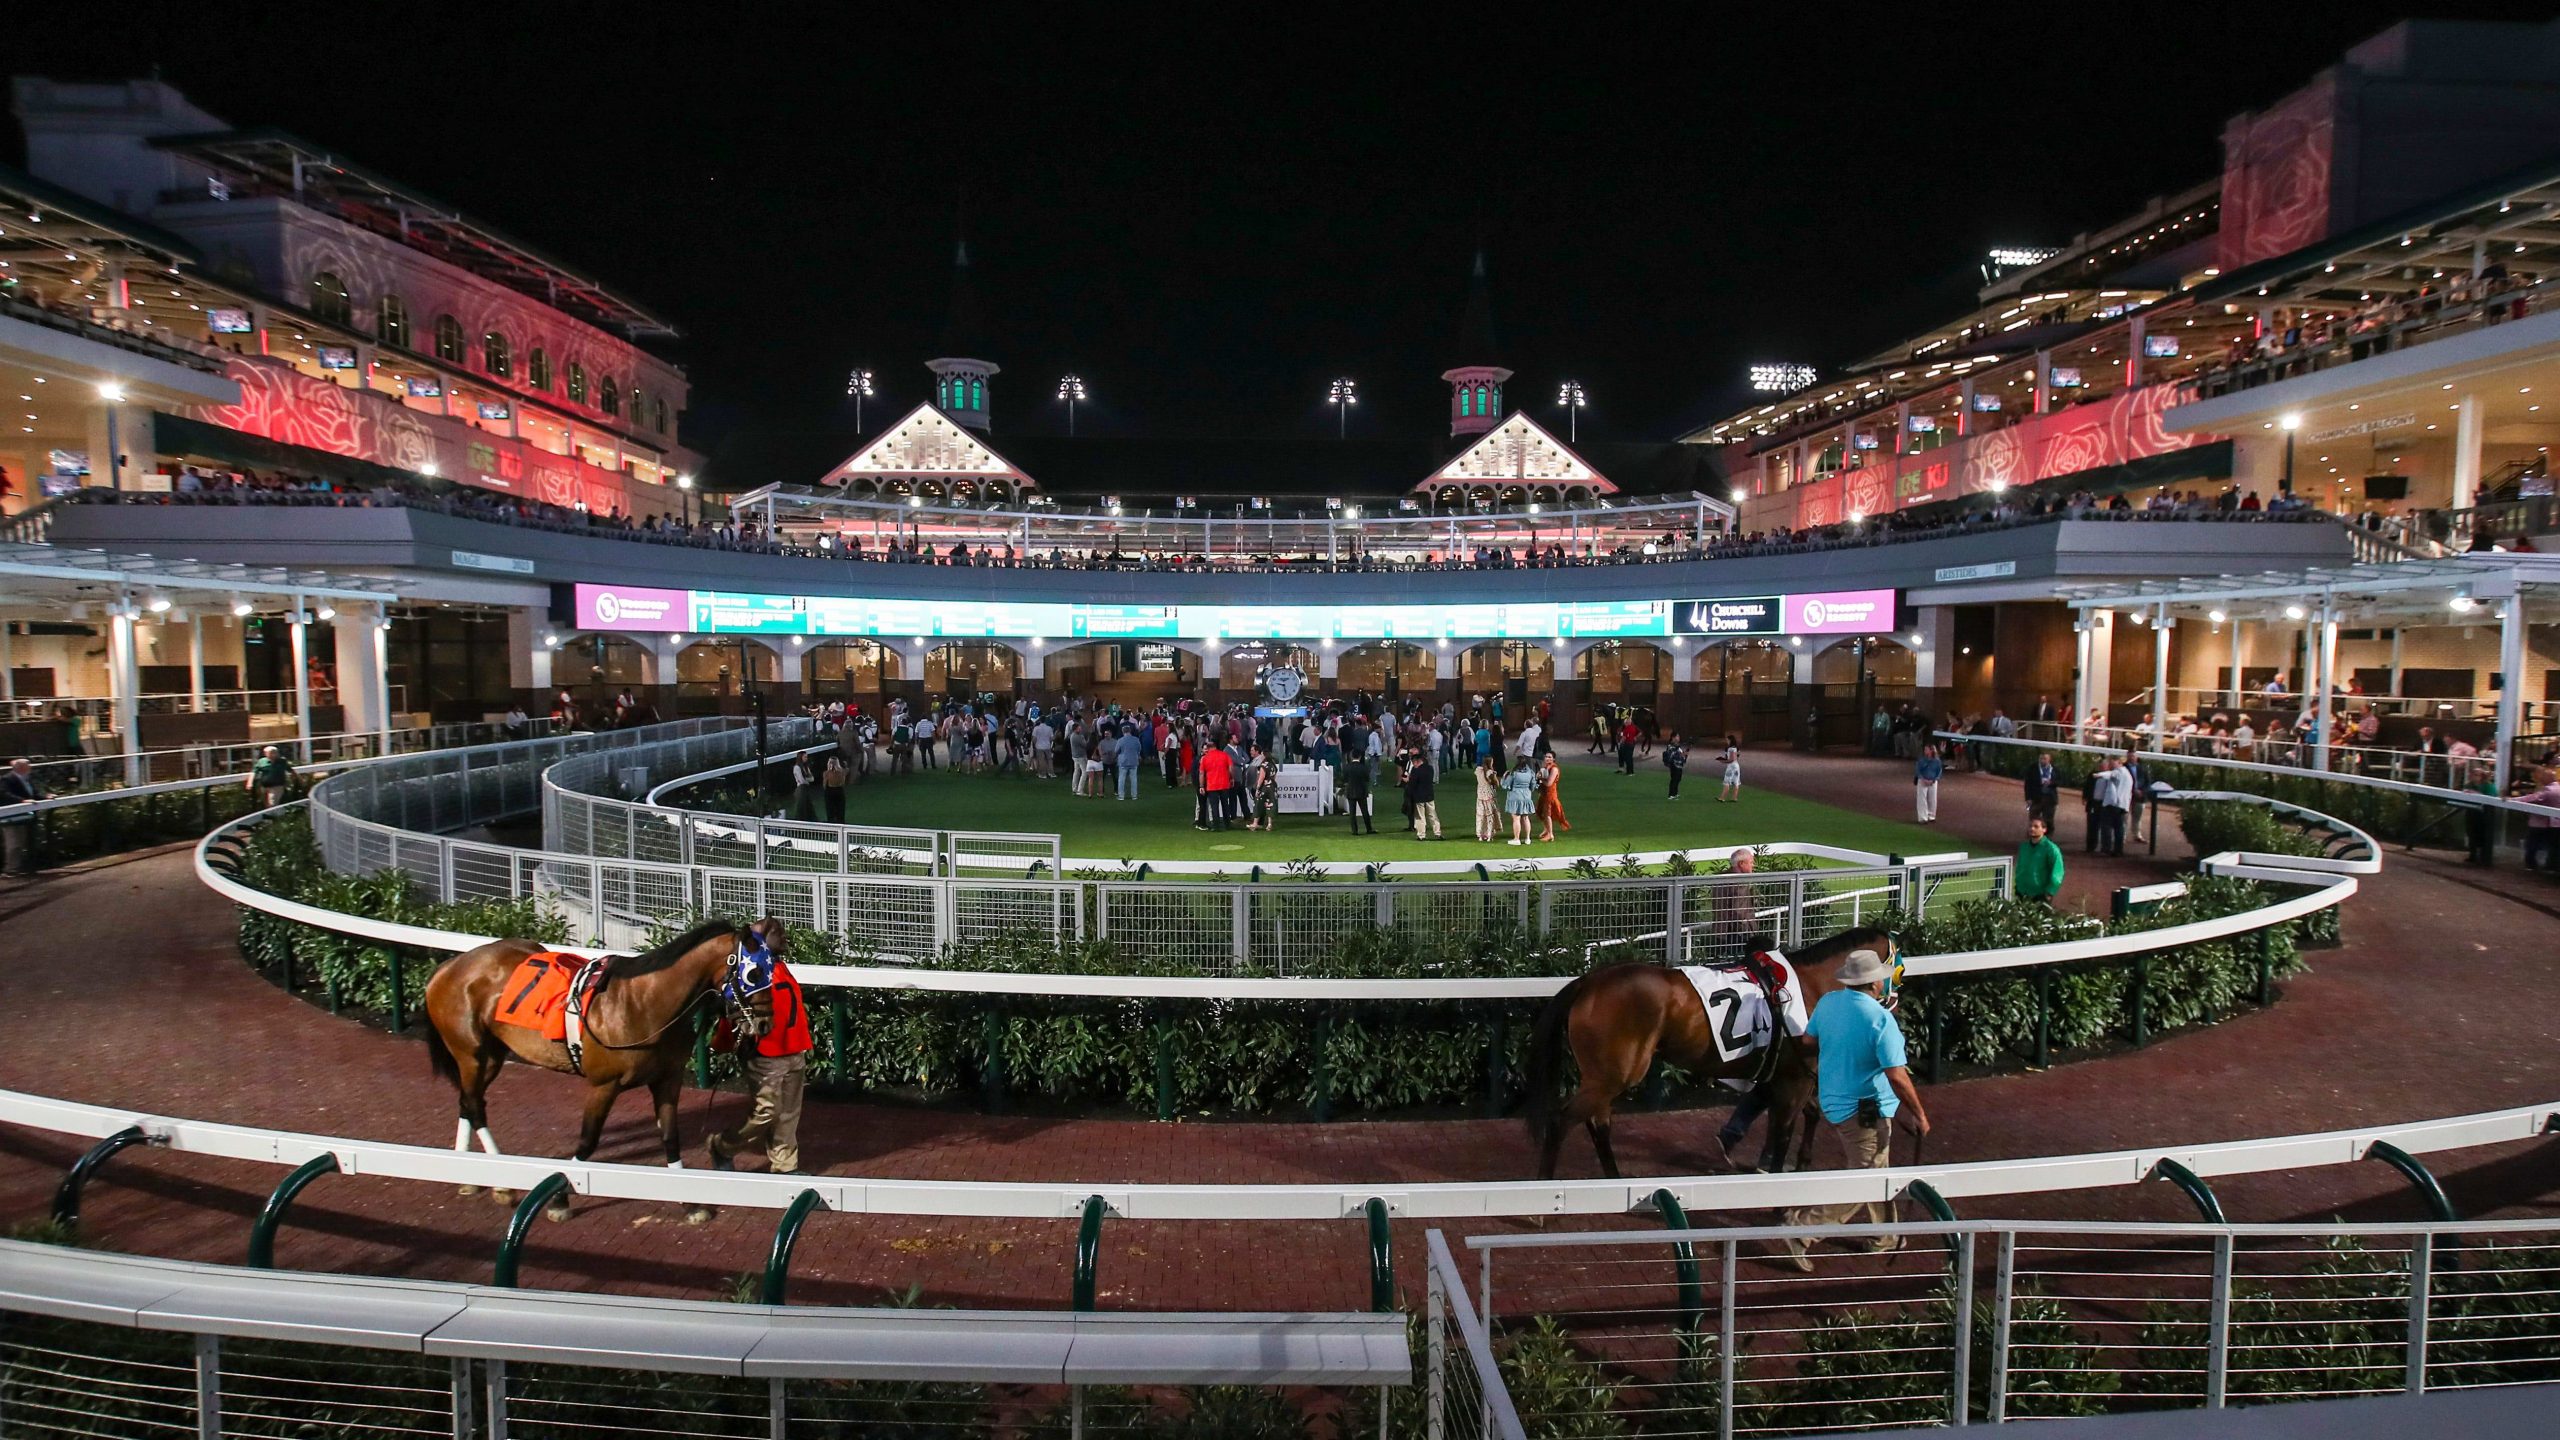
746, 990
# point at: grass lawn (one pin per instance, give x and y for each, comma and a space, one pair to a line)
1611, 813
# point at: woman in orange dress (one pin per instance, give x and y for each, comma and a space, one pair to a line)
1551, 803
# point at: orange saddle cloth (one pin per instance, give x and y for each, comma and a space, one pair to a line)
536, 996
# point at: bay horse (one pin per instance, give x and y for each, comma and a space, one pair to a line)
1619, 1018
638, 1028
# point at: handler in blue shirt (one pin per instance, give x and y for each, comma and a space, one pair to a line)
1862, 1084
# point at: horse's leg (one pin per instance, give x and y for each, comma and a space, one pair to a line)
599, 1104
1598, 1125
663, 1093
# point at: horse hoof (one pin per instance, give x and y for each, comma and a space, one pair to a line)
468, 1190
699, 1214
555, 1212
503, 1197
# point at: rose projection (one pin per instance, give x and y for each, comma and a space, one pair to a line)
2125, 426
282, 404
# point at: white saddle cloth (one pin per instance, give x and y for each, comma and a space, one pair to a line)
1738, 1009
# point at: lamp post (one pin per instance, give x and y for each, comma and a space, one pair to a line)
1342, 397
1071, 390
113, 394
685, 484
1569, 395
858, 386
2292, 423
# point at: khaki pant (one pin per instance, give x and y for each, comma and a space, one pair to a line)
1870, 1147
1426, 818
774, 1124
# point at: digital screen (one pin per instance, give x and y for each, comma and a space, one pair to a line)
1924, 424
493, 410
425, 387
1986, 403
2066, 377
227, 321
1155, 657
1864, 440
337, 357
721, 612
2160, 347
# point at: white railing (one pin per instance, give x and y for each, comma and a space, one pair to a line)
2252, 767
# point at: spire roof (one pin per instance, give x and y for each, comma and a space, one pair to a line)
964, 332
1475, 323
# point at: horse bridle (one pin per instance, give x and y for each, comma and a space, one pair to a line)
732, 993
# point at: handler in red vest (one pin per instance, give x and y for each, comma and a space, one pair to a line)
776, 1064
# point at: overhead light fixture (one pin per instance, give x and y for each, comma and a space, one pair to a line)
2462, 604
2292, 420
2293, 612
159, 604
2216, 616
239, 607
112, 393
328, 612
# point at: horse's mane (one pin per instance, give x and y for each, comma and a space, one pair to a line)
649, 962
1832, 947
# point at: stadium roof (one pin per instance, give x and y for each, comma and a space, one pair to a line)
40, 202
299, 167
2512, 215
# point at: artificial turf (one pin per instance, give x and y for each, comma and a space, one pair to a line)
1611, 814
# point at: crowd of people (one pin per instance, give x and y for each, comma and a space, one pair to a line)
2301, 340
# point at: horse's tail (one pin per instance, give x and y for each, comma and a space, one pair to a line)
1546, 1051
440, 1059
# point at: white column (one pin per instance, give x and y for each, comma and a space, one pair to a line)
2160, 708
363, 672
2081, 642
2097, 666
2239, 654
1933, 657
2466, 452
1964, 407
2327, 662
2511, 633
2044, 380
2395, 662
195, 663
124, 683
301, 680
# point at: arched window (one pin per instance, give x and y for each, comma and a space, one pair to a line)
639, 407
394, 326
661, 415
577, 383
449, 339
537, 368
977, 394
1466, 402
329, 299
942, 393
1495, 401
608, 399
496, 355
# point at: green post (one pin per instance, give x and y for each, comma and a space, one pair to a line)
2266, 966
1497, 1064
262, 1235
1089, 1251
66, 1196
2193, 1184
1164, 1068
991, 1073
777, 1265
2044, 1016
1938, 991
835, 1036
1382, 1264
520, 1224
399, 996
332, 987
1929, 1200
2140, 981
2430, 1190
1684, 1265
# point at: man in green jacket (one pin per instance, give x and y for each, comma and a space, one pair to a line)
2039, 868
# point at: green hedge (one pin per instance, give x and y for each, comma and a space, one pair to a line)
1199, 1058
86, 831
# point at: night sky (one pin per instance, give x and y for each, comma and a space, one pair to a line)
1207, 224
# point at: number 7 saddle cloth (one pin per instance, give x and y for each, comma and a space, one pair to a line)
546, 991
1739, 1000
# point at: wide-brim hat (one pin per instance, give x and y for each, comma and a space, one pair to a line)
1863, 967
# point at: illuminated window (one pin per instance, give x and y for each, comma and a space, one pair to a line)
1497, 401
394, 328
449, 339
537, 368
577, 383
977, 394
329, 299
1466, 401
608, 399
639, 407
661, 415
496, 355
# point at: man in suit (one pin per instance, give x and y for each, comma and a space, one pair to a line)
2044, 790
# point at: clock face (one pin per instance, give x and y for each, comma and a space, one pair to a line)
1284, 682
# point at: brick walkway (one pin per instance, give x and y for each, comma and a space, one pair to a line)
128, 991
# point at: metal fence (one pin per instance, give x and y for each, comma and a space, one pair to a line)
1678, 1332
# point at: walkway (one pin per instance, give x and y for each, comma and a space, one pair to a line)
129, 991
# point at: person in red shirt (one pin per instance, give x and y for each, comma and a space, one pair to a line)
1217, 776
776, 1063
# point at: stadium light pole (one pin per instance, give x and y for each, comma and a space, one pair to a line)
1344, 395
858, 386
1569, 395
1071, 390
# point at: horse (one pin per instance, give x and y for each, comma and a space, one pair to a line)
1618, 1018
636, 1030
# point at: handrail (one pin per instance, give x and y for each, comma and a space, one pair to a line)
2256, 767
1328, 1201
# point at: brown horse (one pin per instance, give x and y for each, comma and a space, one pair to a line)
638, 1027
1618, 1018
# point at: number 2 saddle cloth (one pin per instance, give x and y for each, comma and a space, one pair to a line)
1738, 999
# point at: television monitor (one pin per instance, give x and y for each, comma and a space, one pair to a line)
1864, 440
2160, 347
2386, 487
226, 321
1986, 403
425, 387
493, 410
2066, 377
337, 357
1924, 424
